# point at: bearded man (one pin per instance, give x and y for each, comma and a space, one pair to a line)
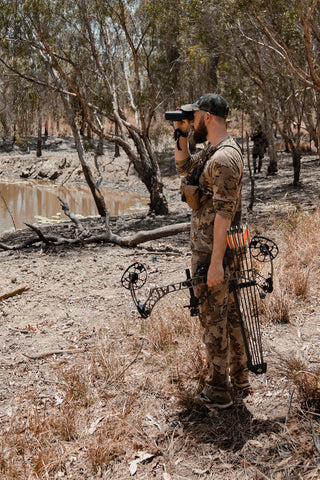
216, 207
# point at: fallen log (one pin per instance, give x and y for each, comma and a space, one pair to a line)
142, 236
106, 237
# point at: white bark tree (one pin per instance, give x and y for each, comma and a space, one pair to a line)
88, 47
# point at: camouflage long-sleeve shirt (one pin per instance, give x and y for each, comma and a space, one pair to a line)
220, 183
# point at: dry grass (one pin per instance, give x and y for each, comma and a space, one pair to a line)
110, 412
276, 307
305, 378
104, 407
107, 445
131, 394
296, 268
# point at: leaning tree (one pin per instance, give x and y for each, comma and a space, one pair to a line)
98, 58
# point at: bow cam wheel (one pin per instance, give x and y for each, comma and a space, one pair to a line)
134, 277
263, 249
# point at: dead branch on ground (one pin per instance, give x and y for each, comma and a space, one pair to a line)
39, 356
106, 237
71, 215
17, 291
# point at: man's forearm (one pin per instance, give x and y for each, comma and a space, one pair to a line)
220, 229
216, 269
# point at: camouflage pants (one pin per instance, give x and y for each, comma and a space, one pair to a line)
255, 165
222, 335
257, 152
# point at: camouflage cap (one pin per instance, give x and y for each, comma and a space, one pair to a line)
210, 102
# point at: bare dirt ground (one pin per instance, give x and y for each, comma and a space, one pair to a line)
90, 390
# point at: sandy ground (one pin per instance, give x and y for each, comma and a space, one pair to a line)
74, 303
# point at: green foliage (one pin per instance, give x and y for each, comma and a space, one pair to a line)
168, 52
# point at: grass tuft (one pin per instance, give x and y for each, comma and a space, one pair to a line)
306, 379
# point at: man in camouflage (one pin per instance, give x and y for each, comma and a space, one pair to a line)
260, 145
219, 207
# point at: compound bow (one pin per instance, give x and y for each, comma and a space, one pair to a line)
245, 283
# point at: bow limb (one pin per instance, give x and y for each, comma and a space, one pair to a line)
137, 303
135, 276
159, 292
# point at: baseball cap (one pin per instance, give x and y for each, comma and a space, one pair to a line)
210, 102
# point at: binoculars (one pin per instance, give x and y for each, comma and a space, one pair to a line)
178, 115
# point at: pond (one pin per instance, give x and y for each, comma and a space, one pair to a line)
33, 201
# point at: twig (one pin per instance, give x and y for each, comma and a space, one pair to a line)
38, 356
309, 412
17, 291
8, 210
316, 440
129, 364
70, 175
288, 412
18, 330
73, 218
260, 473
39, 233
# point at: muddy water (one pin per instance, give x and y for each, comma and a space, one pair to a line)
28, 201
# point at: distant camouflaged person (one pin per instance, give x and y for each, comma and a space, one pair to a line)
260, 145
212, 187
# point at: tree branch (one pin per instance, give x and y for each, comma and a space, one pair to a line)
282, 49
17, 291
108, 237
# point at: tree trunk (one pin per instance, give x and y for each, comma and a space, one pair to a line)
98, 197
39, 138
296, 162
149, 173
273, 163
252, 194
313, 124
46, 129
99, 148
294, 147
116, 146
5, 124
158, 202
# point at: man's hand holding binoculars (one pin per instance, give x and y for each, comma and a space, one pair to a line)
181, 122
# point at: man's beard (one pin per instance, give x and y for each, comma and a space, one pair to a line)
200, 135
